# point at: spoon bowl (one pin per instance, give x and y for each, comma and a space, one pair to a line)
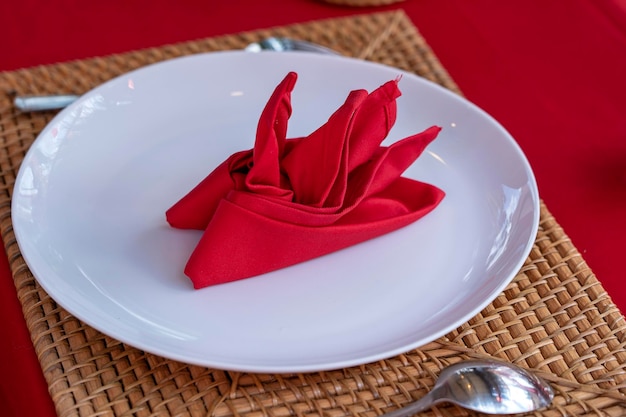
288, 44
488, 387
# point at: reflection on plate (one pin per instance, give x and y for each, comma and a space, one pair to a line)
89, 203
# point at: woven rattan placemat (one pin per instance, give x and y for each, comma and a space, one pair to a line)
554, 317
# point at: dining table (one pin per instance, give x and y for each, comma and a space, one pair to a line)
551, 72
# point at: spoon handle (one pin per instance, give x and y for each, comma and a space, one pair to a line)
40, 103
415, 407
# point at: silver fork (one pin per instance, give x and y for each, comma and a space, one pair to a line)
32, 103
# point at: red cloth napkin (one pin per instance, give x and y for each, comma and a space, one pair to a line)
290, 200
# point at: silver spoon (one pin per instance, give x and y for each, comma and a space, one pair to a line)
485, 386
54, 102
288, 44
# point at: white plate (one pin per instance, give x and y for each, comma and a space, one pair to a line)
89, 203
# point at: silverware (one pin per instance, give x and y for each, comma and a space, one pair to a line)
288, 44
41, 103
485, 386
32, 103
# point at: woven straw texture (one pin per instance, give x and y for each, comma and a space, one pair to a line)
554, 317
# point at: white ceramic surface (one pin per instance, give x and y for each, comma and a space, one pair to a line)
90, 198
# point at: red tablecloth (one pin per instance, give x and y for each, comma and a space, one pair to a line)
552, 72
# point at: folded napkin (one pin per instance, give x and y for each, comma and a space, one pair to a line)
290, 200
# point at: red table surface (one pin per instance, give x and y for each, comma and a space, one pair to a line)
552, 72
